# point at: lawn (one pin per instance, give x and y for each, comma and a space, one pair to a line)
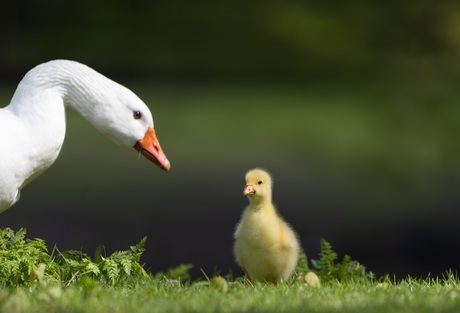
409, 295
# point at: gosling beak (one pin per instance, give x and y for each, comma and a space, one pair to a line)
150, 147
249, 190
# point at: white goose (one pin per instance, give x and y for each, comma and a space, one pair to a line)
32, 126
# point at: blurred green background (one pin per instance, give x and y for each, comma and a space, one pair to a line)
351, 105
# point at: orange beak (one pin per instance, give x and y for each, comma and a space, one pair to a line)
248, 190
150, 147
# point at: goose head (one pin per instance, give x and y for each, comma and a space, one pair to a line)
120, 114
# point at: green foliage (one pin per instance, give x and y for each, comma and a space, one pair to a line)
116, 269
179, 273
348, 269
75, 263
19, 257
25, 262
122, 265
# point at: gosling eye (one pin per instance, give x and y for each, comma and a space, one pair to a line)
259, 182
137, 115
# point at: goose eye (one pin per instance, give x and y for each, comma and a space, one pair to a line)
259, 182
137, 115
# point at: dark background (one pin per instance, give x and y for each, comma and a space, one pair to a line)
352, 105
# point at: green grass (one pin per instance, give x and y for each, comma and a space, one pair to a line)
409, 295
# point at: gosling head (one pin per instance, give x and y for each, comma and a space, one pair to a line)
258, 185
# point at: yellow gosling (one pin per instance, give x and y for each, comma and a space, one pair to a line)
265, 247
